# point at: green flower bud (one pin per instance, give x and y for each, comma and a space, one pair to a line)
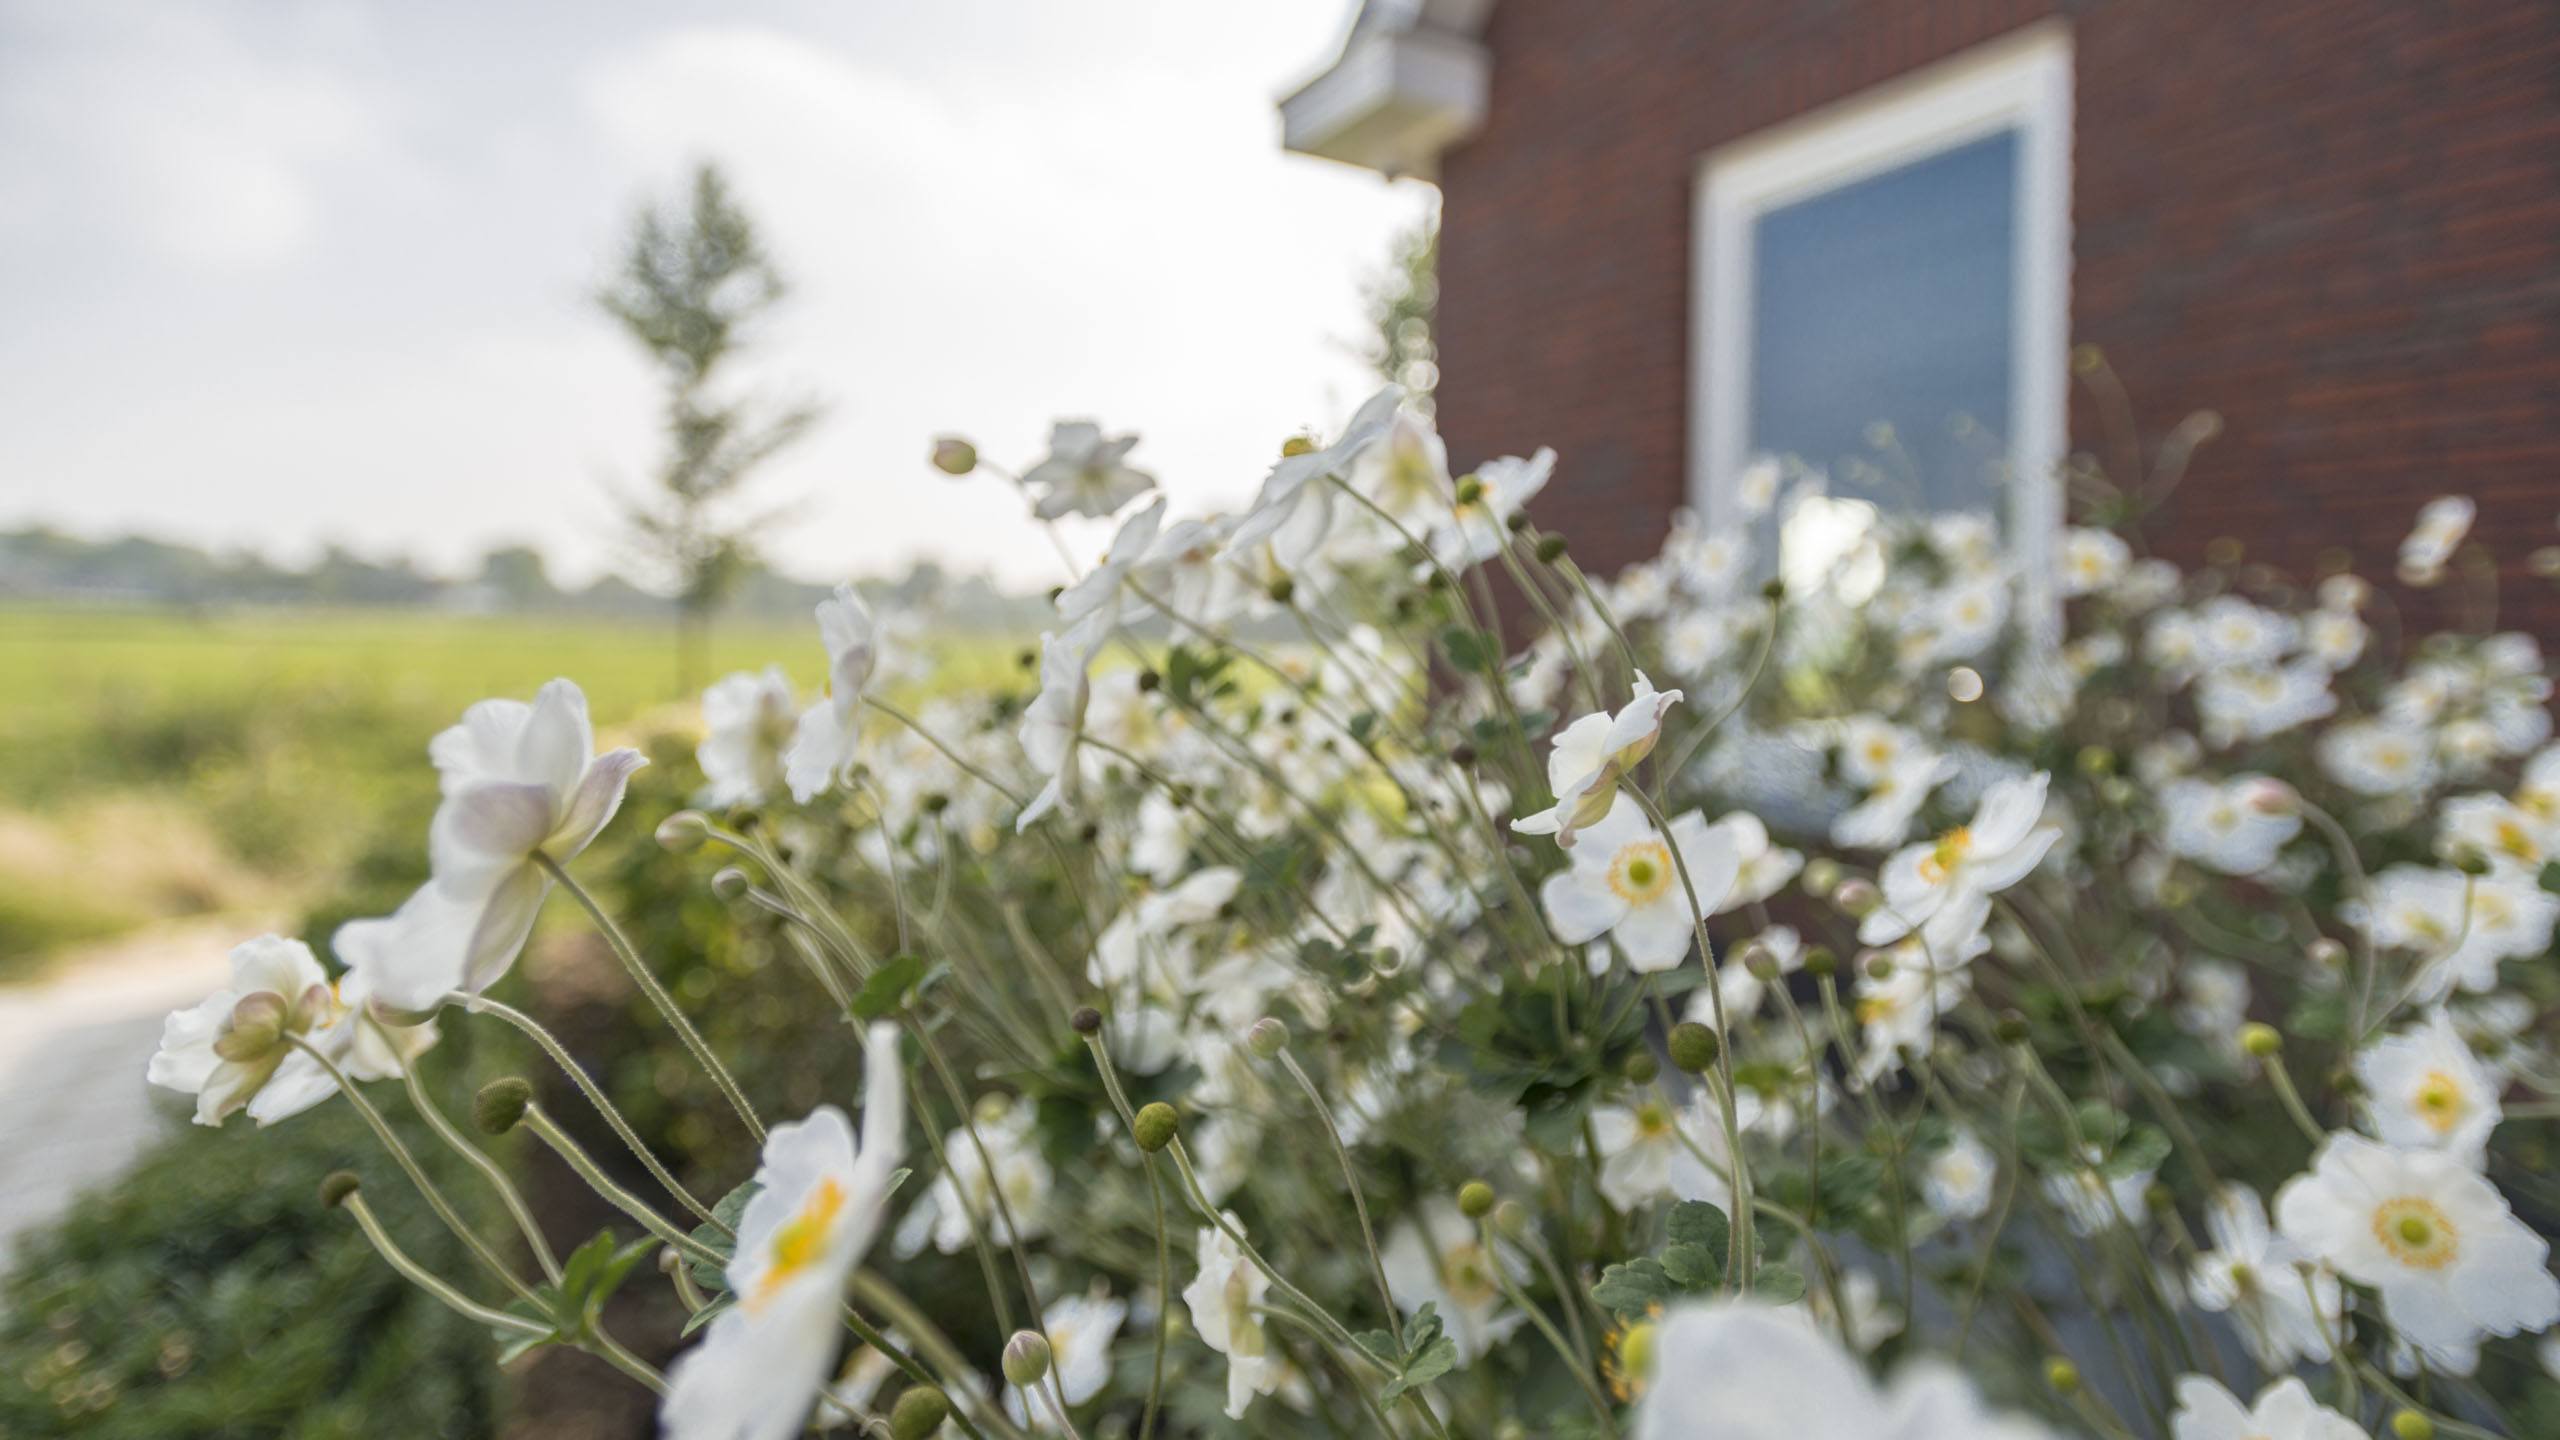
2411, 1425
1693, 1047
256, 1027
730, 883
954, 456
2010, 1028
501, 1104
1822, 875
1819, 961
1759, 962
1640, 1068
1086, 1020
918, 1413
1026, 1358
683, 831
2062, 1375
2261, 1040
1775, 592
336, 1187
1156, 1126
1267, 1037
1857, 896
1280, 589
1475, 1199
1877, 964
1470, 489
1550, 549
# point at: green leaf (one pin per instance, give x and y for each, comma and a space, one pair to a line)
1694, 1267
1777, 1284
887, 987
1632, 1287
1471, 651
708, 1313
1695, 1222
714, 1279
1428, 1364
2143, 1149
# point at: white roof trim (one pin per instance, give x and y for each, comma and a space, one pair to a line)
1408, 85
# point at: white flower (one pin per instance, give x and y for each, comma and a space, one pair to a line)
1741, 991
1652, 1151
1958, 1181
1738, 1370
2235, 827
1927, 980
1080, 1329
2423, 1089
1624, 882
1223, 1299
1997, 850
823, 743
2514, 840
1590, 756
1895, 796
2442, 523
1476, 529
2092, 560
518, 780
1084, 473
2459, 926
818, 1204
1183, 569
2233, 633
2452, 1262
1054, 722
2334, 638
1437, 1259
1763, 868
1091, 607
2092, 1201
1294, 508
231, 1050
1862, 1320
1871, 748
1408, 475
2284, 1411
2379, 757
2257, 701
2286, 1306
996, 1159
747, 723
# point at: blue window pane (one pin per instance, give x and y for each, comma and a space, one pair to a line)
1890, 300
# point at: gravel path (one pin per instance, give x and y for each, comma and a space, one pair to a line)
74, 1108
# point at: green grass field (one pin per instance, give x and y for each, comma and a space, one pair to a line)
155, 763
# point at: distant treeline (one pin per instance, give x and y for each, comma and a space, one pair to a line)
41, 564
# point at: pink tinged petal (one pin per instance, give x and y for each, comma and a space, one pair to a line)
593, 803
185, 1059
1580, 908
229, 1087
557, 738
486, 828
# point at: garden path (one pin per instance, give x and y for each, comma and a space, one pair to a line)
74, 1108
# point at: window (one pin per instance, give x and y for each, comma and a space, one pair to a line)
1899, 260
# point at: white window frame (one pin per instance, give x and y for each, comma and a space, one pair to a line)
2021, 81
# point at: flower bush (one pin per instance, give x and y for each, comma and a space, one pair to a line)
1373, 978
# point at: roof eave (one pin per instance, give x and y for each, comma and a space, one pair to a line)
1393, 102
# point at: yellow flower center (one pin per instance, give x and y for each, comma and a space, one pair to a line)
799, 1241
1949, 853
1641, 871
2439, 1102
1652, 1120
1629, 1364
2513, 840
1469, 1275
2416, 1233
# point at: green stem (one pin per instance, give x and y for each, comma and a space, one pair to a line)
577, 1159
480, 1161
427, 1280
658, 996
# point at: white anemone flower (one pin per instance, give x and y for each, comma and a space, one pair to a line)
1958, 1181
231, 1051
1092, 606
1080, 1329
1894, 797
1764, 867
1927, 979
1477, 528
1739, 1370
2459, 926
2286, 1306
1437, 1258
2005, 840
2423, 1089
2282, 1411
2452, 1262
2236, 826
1294, 509
1054, 722
1654, 1150
2379, 757
1624, 883
520, 781
1182, 569
1590, 756
823, 744
1408, 473
2092, 560
748, 720
2442, 522
819, 1203
1085, 473
1225, 1300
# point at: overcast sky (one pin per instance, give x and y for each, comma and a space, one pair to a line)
281, 273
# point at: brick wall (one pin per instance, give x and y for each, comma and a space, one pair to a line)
2336, 222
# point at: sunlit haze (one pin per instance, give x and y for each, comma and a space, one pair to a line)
283, 275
